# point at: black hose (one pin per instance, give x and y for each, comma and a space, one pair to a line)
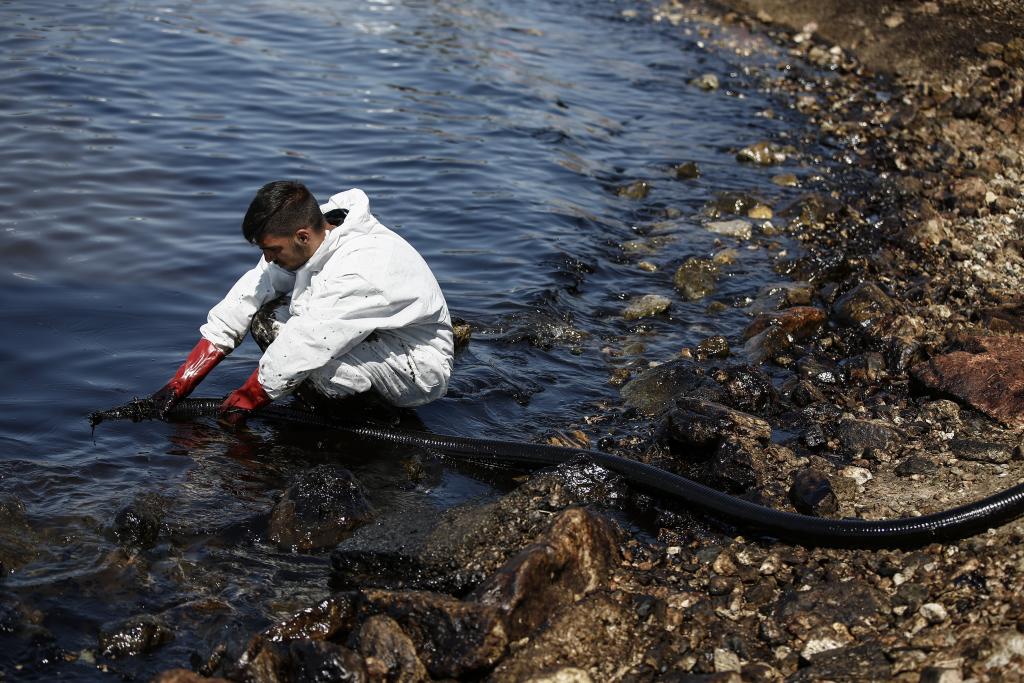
801, 529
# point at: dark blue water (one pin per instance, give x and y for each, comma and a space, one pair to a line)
492, 134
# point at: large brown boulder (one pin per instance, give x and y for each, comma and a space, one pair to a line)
988, 375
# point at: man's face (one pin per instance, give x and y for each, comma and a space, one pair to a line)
287, 251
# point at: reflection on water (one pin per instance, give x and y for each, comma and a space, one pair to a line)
493, 135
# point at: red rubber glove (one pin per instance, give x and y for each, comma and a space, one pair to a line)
203, 358
242, 401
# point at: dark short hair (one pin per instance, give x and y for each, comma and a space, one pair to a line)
281, 208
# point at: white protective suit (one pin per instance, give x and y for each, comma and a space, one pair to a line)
365, 313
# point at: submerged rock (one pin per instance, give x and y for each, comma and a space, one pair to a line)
319, 510
134, 637
637, 190
988, 375
137, 525
706, 82
696, 278
646, 306
18, 542
687, 170
738, 228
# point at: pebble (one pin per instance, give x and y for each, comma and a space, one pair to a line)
933, 612
858, 474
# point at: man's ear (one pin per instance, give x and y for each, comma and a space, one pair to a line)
302, 235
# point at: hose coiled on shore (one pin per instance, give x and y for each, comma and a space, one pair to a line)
800, 529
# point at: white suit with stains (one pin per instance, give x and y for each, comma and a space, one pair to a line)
365, 314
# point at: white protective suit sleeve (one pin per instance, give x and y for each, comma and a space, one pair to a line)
337, 320
228, 321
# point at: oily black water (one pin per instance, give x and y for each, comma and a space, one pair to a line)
495, 136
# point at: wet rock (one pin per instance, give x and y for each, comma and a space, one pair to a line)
453, 638
762, 153
319, 510
737, 466
805, 393
18, 542
134, 637
811, 493
761, 212
748, 389
801, 322
780, 295
462, 331
646, 306
452, 551
770, 344
981, 451
737, 228
321, 621
305, 660
637, 190
319, 661
696, 278
814, 437
730, 203
864, 368
598, 634
389, 652
863, 304
705, 424
540, 328
856, 435
988, 375
706, 82
713, 347
571, 560
185, 676
687, 170
785, 180
137, 525
817, 371
915, 464
655, 390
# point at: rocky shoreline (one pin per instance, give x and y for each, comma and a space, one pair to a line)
885, 381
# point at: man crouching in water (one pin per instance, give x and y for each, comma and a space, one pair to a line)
365, 312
